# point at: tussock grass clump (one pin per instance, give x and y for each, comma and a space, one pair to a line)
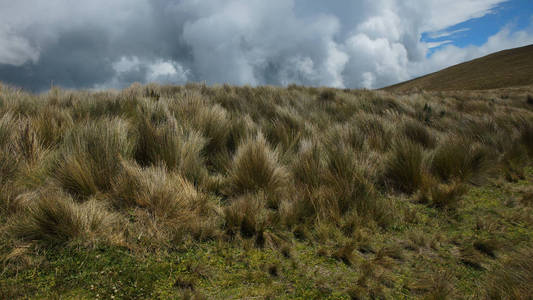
436, 286
513, 278
55, 219
345, 178
153, 188
172, 202
333, 182
404, 168
529, 99
9, 165
256, 168
513, 161
90, 156
345, 253
214, 124
51, 126
458, 158
327, 95
246, 215
526, 137
8, 126
442, 195
378, 137
349, 135
27, 144
159, 143
286, 129
168, 143
418, 133
310, 161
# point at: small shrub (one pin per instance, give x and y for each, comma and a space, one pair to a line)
350, 136
191, 161
281, 133
148, 120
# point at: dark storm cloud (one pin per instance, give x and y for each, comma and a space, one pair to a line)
79, 58
100, 44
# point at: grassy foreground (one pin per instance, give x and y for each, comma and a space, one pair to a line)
223, 192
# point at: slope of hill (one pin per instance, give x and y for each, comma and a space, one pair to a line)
508, 68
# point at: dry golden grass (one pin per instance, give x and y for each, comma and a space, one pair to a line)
53, 218
301, 154
152, 168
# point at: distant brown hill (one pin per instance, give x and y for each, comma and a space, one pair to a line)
508, 68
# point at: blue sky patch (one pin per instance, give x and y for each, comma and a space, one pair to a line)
517, 14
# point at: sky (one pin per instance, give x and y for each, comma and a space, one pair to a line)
99, 44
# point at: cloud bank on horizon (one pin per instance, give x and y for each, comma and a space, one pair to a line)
343, 43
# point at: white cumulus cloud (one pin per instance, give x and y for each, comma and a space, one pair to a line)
344, 43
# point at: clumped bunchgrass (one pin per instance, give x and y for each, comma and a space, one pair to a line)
458, 158
154, 188
442, 195
214, 124
51, 126
256, 168
345, 181
55, 219
166, 142
527, 137
90, 156
246, 215
512, 279
418, 133
529, 99
382, 183
8, 125
404, 168
171, 201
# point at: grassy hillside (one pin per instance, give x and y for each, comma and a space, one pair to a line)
222, 192
509, 68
